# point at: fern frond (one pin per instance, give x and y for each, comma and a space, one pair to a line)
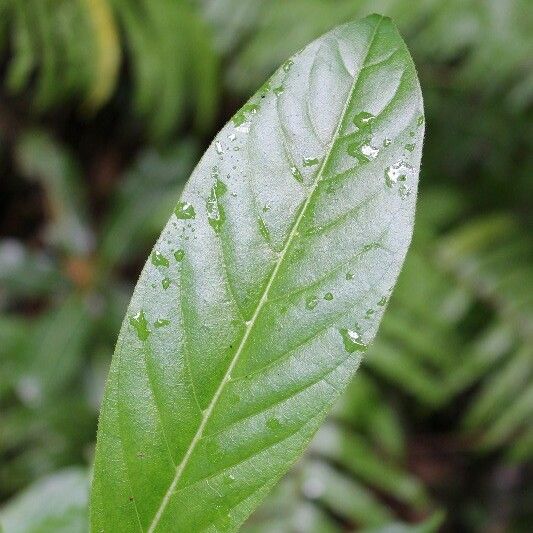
72, 51
492, 258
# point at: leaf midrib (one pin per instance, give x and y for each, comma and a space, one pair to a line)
264, 298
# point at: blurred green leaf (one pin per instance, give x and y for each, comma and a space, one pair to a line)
43, 159
56, 503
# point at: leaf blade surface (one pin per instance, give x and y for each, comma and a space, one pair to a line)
264, 288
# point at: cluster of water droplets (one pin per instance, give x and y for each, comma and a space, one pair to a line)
398, 174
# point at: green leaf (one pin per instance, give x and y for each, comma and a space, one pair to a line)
291, 230
56, 503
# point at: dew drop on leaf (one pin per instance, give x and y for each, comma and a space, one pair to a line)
352, 341
161, 322
242, 115
410, 147
404, 191
383, 301
363, 120
278, 90
287, 65
397, 172
184, 210
369, 151
311, 302
297, 174
310, 161
215, 212
328, 296
165, 282
158, 259
364, 152
179, 255
140, 325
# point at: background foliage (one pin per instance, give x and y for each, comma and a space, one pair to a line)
105, 108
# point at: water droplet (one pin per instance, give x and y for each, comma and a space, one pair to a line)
349, 276
420, 120
265, 88
310, 161
232, 137
287, 65
383, 301
363, 120
278, 90
179, 255
387, 142
369, 151
165, 283
219, 148
274, 424
397, 172
215, 212
140, 324
263, 230
328, 296
369, 313
297, 174
242, 115
161, 322
158, 259
184, 210
219, 188
410, 147
266, 208
364, 152
311, 302
404, 191
352, 341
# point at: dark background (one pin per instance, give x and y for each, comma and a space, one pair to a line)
105, 107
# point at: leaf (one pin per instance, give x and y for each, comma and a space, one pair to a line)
48, 162
56, 503
254, 308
